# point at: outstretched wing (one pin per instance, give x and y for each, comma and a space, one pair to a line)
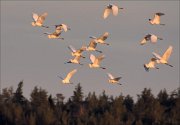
99, 59
42, 18
92, 44
92, 58
70, 74
167, 54
83, 48
115, 10
64, 26
156, 19
110, 75
160, 14
104, 36
72, 48
117, 79
35, 17
144, 41
156, 55
107, 11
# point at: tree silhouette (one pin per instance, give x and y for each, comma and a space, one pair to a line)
44, 109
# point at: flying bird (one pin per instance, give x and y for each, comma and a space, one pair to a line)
156, 20
165, 57
62, 27
150, 37
39, 20
151, 64
92, 46
78, 52
66, 80
76, 60
54, 35
113, 80
111, 8
95, 61
58, 30
101, 39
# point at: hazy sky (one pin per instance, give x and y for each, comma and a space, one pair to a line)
28, 55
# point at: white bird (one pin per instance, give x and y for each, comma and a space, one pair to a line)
95, 61
101, 39
78, 52
150, 37
111, 8
156, 20
76, 60
66, 80
165, 57
54, 35
61, 27
92, 46
113, 80
39, 20
151, 64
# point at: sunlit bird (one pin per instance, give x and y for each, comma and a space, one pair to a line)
150, 37
92, 46
78, 52
113, 80
39, 20
101, 39
95, 61
156, 19
61, 27
54, 35
165, 57
76, 60
66, 80
111, 8
151, 64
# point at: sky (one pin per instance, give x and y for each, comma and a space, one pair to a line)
28, 55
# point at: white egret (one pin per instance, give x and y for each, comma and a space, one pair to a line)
150, 37
156, 20
78, 52
102, 38
95, 61
111, 8
66, 80
54, 35
76, 60
61, 27
39, 20
165, 57
92, 46
113, 80
151, 64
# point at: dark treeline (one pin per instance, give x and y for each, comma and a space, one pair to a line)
43, 109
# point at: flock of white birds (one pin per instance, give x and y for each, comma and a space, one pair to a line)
95, 61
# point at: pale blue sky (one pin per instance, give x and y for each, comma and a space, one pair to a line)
26, 54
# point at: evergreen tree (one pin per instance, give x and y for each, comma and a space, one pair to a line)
43, 109
78, 94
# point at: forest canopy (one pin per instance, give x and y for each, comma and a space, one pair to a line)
91, 109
